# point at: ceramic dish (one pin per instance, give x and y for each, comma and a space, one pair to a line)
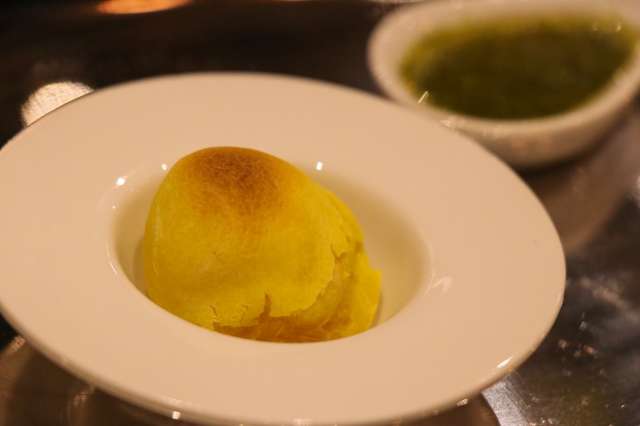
522, 143
473, 272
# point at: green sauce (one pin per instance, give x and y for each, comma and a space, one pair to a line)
518, 68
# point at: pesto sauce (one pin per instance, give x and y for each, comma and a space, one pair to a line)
518, 68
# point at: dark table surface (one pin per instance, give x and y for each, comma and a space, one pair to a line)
586, 372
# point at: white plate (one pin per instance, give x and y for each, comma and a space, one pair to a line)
473, 272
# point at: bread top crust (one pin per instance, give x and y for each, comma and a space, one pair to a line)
249, 182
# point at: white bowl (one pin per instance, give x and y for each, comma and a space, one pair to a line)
473, 272
522, 143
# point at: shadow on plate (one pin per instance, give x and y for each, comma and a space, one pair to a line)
35, 392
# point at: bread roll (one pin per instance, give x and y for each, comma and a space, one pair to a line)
241, 242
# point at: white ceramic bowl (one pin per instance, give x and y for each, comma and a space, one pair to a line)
473, 271
522, 143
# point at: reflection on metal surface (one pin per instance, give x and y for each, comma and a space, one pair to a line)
28, 380
470, 412
582, 195
505, 404
138, 6
51, 96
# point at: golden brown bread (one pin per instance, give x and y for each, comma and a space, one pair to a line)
242, 242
